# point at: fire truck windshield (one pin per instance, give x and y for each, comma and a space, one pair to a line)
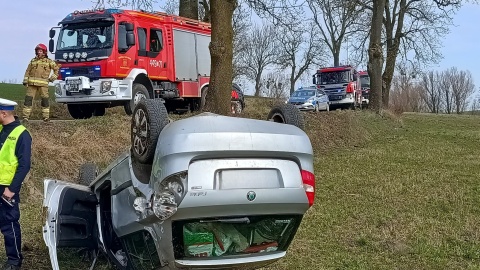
86, 35
334, 77
365, 80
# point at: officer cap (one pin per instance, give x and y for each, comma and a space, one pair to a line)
7, 105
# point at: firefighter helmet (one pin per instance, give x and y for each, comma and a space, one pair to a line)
42, 47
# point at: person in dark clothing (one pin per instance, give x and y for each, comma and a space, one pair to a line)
15, 162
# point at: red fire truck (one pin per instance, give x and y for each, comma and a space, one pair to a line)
341, 84
115, 57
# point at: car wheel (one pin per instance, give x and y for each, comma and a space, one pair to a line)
287, 114
87, 173
139, 92
149, 118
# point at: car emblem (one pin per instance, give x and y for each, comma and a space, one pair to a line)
251, 195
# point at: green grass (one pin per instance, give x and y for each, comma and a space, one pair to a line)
407, 199
392, 192
16, 92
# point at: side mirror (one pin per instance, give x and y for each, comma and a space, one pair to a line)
51, 45
51, 34
129, 26
130, 39
354, 77
313, 79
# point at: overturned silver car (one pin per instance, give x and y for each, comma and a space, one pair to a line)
206, 192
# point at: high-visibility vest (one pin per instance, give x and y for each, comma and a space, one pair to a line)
8, 159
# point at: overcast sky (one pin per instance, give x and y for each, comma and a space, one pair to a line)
23, 26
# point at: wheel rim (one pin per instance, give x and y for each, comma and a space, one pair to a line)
140, 132
138, 96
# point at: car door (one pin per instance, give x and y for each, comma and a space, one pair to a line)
70, 217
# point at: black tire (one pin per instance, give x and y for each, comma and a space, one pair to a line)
141, 171
139, 91
149, 118
99, 110
87, 173
80, 111
287, 114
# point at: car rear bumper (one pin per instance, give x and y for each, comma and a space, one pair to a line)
240, 262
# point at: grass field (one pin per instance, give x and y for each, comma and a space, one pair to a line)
392, 192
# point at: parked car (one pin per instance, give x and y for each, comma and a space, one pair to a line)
310, 99
205, 192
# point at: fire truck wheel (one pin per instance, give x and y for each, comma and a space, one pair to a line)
287, 114
80, 111
139, 91
87, 173
99, 110
149, 118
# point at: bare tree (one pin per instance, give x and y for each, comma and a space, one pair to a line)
462, 87
241, 27
259, 53
221, 52
375, 55
445, 88
276, 85
133, 4
431, 92
338, 22
298, 50
406, 93
171, 7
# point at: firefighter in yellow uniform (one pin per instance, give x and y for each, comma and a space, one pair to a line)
38, 75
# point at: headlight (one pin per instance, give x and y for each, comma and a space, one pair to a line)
169, 193
77, 55
58, 89
84, 54
65, 56
310, 100
106, 86
70, 55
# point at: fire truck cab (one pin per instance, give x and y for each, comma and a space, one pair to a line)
115, 57
341, 84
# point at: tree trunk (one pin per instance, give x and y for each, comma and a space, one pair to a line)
292, 80
375, 56
257, 83
336, 55
221, 52
387, 75
188, 9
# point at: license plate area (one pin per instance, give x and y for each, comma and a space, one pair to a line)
233, 236
73, 85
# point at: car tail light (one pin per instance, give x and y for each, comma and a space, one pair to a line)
168, 195
308, 180
234, 94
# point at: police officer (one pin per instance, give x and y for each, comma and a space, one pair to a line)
15, 156
36, 80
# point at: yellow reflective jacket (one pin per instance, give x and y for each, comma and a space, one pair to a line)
8, 160
38, 72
